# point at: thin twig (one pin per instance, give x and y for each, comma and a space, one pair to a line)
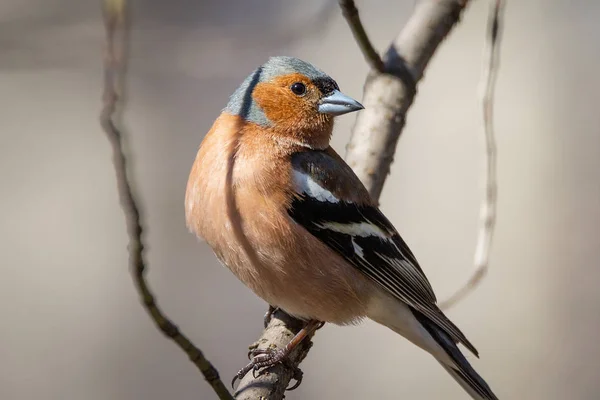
115, 60
351, 15
488, 206
388, 96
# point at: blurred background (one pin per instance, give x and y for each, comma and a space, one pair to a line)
72, 326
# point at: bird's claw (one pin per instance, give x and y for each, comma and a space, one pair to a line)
251, 349
297, 376
235, 378
269, 315
260, 358
265, 358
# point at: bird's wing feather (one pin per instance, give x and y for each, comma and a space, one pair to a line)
331, 203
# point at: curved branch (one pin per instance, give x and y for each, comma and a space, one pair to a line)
388, 96
351, 15
488, 206
117, 30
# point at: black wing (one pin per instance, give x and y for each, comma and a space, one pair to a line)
369, 242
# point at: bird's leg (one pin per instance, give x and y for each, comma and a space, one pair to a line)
264, 358
269, 314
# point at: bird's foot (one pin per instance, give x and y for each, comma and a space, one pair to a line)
265, 358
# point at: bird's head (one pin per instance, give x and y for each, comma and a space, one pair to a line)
291, 98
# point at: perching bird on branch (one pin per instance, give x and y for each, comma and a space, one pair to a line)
284, 212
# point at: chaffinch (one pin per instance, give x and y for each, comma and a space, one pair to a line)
283, 211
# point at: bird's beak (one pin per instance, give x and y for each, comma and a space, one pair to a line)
337, 103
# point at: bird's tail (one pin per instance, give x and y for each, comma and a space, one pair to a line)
457, 365
471, 382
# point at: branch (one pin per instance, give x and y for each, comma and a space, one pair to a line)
350, 13
272, 384
116, 24
488, 206
387, 98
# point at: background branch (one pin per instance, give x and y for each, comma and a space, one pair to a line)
488, 206
116, 22
351, 15
387, 97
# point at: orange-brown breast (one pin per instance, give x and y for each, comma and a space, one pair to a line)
287, 266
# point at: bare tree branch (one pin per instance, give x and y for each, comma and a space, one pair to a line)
387, 98
351, 15
116, 22
272, 384
488, 206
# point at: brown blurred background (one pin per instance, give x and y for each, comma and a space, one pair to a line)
72, 326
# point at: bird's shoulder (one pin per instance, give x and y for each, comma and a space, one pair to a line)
324, 175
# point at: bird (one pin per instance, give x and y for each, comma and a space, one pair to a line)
292, 221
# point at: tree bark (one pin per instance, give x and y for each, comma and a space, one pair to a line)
388, 96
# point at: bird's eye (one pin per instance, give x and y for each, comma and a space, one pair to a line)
298, 88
